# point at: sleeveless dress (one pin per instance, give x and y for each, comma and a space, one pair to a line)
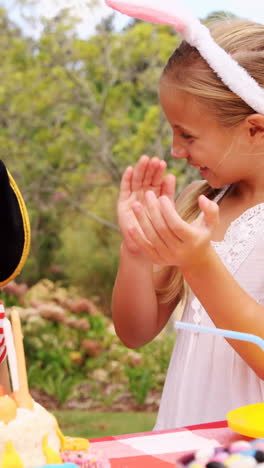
206, 378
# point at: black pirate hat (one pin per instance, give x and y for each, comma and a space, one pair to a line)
14, 228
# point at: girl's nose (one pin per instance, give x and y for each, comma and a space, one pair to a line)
179, 152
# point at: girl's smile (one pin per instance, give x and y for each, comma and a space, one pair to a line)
220, 154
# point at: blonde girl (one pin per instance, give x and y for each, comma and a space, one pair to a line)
209, 245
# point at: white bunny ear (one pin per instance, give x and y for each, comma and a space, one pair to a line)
156, 11
171, 12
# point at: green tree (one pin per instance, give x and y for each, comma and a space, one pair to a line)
74, 114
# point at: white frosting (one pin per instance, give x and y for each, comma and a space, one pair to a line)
26, 433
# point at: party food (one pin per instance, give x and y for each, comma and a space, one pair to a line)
86, 459
239, 454
30, 436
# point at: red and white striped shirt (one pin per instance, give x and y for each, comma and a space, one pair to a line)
2, 336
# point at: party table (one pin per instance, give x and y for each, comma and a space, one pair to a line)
161, 449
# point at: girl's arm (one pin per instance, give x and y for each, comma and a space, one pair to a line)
137, 314
138, 317
228, 305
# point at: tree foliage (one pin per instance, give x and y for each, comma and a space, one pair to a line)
74, 114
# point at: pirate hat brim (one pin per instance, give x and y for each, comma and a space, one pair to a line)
14, 228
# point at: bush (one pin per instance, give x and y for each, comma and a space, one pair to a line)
73, 353
58, 365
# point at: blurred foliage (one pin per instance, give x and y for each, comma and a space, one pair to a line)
74, 355
58, 363
140, 382
74, 113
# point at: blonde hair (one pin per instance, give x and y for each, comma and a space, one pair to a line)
190, 73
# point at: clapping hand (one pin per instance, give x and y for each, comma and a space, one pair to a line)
148, 175
165, 237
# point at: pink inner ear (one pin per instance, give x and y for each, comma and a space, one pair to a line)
148, 14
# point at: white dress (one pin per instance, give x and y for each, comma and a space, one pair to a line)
206, 378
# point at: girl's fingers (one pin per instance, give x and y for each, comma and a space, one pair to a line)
168, 187
125, 185
180, 228
157, 220
158, 175
128, 223
147, 174
131, 244
139, 173
144, 244
150, 234
152, 169
210, 210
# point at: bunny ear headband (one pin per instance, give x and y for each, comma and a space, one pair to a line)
197, 35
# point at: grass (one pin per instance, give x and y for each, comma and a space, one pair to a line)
94, 424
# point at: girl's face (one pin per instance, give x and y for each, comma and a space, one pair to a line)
216, 151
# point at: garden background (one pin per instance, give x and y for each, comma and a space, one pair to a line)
74, 113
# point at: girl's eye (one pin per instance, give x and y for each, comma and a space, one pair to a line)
186, 136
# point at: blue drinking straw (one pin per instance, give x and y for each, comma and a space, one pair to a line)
221, 332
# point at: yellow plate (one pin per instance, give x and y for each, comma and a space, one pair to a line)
247, 420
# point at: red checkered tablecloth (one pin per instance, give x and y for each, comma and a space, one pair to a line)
161, 449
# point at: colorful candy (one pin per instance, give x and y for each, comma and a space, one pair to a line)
86, 459
240, 454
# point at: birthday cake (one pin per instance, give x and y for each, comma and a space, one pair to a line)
30, 436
